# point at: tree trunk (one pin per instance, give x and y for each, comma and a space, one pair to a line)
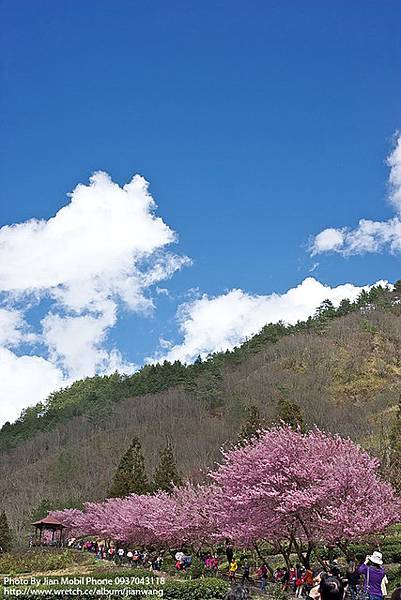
269, 568
286, 552
345, 550
304, 557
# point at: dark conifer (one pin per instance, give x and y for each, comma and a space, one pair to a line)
5, 533
167, 475
140, 479
130, 476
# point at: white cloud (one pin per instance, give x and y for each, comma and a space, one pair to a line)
105, 249
12, 327
369, 236
24, 381
95, 247
162, 291
328, 239
220, 323
75, 343
166, 344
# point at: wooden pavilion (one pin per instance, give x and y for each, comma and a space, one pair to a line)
48, 524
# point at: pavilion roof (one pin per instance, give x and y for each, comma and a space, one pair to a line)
49, 522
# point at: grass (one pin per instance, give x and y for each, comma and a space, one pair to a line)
69, 569
44, 560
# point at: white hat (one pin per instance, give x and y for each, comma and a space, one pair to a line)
376, 558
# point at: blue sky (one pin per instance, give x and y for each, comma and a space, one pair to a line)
257, 124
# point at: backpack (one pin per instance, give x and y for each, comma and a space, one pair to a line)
364, 594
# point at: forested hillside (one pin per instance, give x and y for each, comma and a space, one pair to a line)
342, 368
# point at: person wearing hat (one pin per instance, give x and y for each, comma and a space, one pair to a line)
375, 579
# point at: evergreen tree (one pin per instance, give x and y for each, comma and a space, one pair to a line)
130, 476
42, 509
326, 310
345, 307
206, 385
396, 293
380, 296
251, 427
363, 298
123, 480
138, 468
166, 475
291, 413
395, 451
5, 533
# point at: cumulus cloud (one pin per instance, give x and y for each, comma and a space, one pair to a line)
222, 322
102, 251
104, 243
369, 236
25, 380
328, 239
12, 327
75, 344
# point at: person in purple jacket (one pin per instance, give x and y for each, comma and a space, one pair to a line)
375, 579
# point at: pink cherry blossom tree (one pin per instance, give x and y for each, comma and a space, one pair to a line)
186, 516
296, 490
291, 489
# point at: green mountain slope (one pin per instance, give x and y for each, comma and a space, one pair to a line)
342, 368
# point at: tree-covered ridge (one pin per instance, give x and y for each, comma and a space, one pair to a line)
95, 396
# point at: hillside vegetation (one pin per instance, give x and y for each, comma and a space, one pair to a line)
342, 367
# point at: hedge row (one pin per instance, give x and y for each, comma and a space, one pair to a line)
391, 551
197, 589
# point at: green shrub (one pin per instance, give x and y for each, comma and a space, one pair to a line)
169, 564
40, 560
173, 589
197, 589
394, 578
276, 593
391, 553
390, 547
196, 570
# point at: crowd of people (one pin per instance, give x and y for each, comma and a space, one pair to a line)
211, 562
121, 556
367, 581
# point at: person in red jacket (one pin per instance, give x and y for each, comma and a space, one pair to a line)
262, 572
